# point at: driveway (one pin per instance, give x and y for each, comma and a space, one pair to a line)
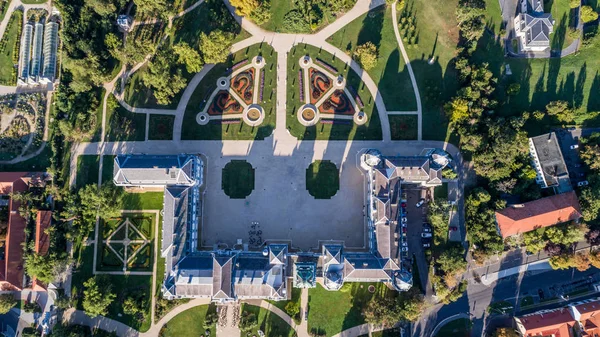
567, 138
416, 217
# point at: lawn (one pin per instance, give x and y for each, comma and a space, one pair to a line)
565, 18
269, 323
121, 286
404, 127
458, 328
331, 312
161, 127
190, 323
370, 131
143, 201
107, 169
322, 179
238, 179
441, 192
87, 170
10, 49
185, 29
123, 125
573, 78
191, 130
296, 293
493, 16
500, 307
390, 72
437, 37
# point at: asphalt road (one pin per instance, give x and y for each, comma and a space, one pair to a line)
416, 217
478, 297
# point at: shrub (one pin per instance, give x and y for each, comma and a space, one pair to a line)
588, 14
574, 3
366, 55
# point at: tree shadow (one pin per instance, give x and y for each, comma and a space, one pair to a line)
594, 97
371, 27
560, 32
578, 94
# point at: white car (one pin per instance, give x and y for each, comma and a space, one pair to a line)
404, 219
582, 183
573, 147
426, 230
420, 203
426, 235
405, 249
404, 244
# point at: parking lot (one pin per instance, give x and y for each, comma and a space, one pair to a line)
416, 217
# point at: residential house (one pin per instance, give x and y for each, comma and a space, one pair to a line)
532, 26
12, 274
577, 319
521, 218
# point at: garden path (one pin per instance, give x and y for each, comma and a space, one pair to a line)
284, 316
410, 73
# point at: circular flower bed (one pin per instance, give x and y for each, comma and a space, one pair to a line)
253, 114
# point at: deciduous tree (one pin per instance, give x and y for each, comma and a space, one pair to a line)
188, 56
97, 296
215, 46
588, 14
366, 54
7, 302
244, 7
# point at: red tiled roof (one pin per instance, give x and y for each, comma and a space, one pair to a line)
539, 213
42, 240
557, 323
589, 317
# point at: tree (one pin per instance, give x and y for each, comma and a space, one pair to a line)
561, 110
553, 249
594, 258
451, 261
292, 308
43, 267
574, 3
590, 199
215, 46
245, 7
7, 302
534, 240
457, 109
588, 14
366, 54
581, 261
155, 8
382, 311
563, 261
513, 89
165, 82
262, 13
105, 202
294, 21
248, 321
102, 7
505, 332
188, 56
97, 297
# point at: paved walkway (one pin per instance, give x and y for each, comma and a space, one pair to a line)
410, 71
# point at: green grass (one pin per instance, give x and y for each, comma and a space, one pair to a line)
561, 12
404, 127
390, 72
500, 307
107, 169
493, 16
437, 33
296, 293
121, 286
87, 170
189, 323
38, 163
143, 201
123, 125
9, 51
161, 127
238, 179
278, 11
268, 322
322, 179
441, 192
33, 2
458, 328
526, 301
331, 312
574, 78
370, 131
191, 130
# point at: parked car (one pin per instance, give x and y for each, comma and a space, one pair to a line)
426, 235
403, 209
426, 230
405, 249
582, 183
420, 203
404, 244
403, 224
404, 219
404, 230
427, 245
573, 147
306, 315
403, 204
453, 228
